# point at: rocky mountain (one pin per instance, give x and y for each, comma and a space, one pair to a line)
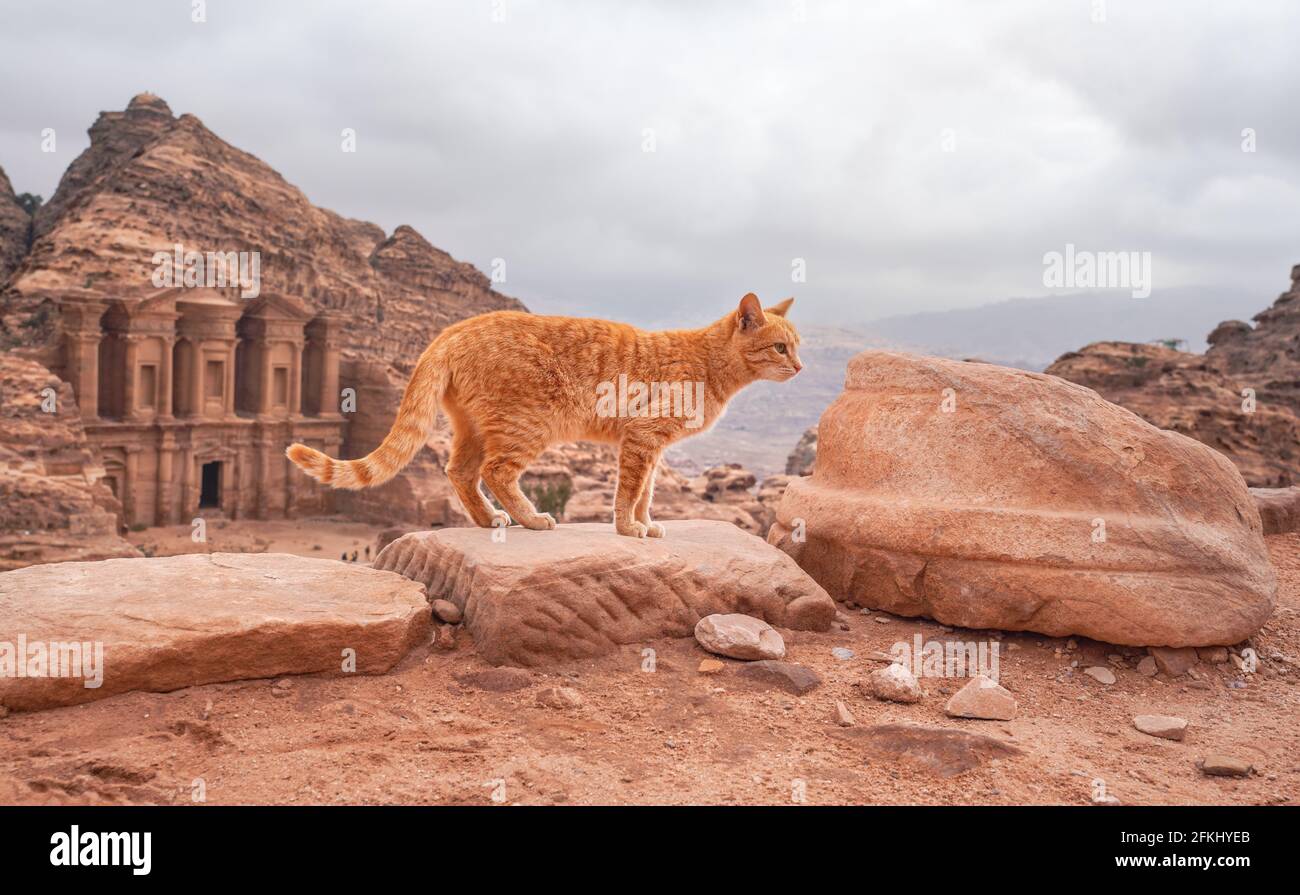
15, 225
1265, 357
1241, 397
151, 180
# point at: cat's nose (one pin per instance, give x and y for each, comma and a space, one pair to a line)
797, 366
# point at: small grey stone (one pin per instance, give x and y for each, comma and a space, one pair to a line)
1098, 673
1166, 727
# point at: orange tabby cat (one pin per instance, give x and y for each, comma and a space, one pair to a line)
512, 383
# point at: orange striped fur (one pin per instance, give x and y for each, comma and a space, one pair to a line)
513, 383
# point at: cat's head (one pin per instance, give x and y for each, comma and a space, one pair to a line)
765, 341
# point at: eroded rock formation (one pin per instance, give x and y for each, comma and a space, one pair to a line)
988, 497
536, 597
1242, 397
55, 502
1193, 394
1265, 357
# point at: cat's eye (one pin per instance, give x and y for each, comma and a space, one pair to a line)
780, 347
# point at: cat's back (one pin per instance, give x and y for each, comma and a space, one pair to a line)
521, 331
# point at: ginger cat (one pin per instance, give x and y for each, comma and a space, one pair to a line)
512, 383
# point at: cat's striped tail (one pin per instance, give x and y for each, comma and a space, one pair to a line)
410, 431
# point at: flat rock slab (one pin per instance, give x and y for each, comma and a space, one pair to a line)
179, 621
538, 597
787, 676
942, 751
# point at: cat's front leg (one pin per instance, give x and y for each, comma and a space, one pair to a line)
635, 464
653, 529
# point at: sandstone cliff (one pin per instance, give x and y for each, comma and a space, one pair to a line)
1267, 356
56, 505
14, 226
1194, 395
150, 180
1242, 397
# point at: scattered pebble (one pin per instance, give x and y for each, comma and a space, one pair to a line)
894, 683
447, 611
1098, 673
1166, 727
1147, 667
710, 666
445, 639
1174, 661
843, 717
983, 699
1225, 766
842, 653
559, 698
739, 636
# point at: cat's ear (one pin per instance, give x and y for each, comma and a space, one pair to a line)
749, 316
780, 308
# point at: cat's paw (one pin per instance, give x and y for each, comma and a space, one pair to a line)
541, 522
499, 520
631, 529
654, 530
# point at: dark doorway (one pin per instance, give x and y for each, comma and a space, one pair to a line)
210, 495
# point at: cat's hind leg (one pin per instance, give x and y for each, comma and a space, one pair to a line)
642, 512
463, 472
507, 458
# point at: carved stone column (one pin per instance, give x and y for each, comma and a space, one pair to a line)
166, 453
196, 376
132, 479
228, 403
129, 375
165, 408
295, 380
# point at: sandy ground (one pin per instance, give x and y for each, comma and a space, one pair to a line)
674, 735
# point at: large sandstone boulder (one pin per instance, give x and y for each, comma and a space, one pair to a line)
581, 590
197, 619
988, 497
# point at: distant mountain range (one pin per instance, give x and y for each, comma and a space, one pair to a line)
1032, 332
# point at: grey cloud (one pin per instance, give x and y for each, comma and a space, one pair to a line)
776, 138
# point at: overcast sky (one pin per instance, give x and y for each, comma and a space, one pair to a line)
781, 130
